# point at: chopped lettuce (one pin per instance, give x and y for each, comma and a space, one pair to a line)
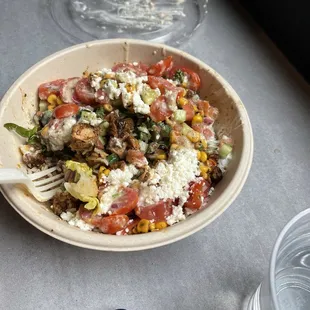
86, 188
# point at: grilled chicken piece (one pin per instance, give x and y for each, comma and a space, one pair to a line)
84, 137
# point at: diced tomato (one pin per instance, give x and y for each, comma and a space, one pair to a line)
126, 202
161, 83
111, 224
204, 129
190, 112
156, 212
160, 109
130, 226
84, 92
204, 106
67, 89
140, 69
213, 112
102, 97
75, 98
107, 224
49, 88
193, 78
137, 158
198, 191
161, 67
66, 110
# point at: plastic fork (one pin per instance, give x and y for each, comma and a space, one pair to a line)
42, 185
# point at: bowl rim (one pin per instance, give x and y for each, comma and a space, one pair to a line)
222, 202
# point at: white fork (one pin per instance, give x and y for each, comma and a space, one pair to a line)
42, 186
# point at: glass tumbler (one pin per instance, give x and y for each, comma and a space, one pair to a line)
287, 285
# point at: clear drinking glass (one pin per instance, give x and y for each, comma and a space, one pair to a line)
288, 283
164, 21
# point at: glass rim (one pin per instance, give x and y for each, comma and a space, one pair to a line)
275, 251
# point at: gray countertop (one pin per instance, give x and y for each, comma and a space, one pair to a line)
214, 268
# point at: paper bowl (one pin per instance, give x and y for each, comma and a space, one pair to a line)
19, 105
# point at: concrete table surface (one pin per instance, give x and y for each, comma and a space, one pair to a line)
216, 267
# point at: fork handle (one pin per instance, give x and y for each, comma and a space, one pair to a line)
12, 176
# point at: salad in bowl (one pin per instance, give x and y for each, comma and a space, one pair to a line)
136, 144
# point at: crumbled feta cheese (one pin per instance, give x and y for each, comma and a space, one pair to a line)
111, 89
95, 82
171, 97
139, 106
173, 82
127, 97
74, 219
224, 162
170, 180
60, 133
135, 63
143, 146
117, 142
91, 119
116, 179
130, 77
176, 216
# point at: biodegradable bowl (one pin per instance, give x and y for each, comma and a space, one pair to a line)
19, 104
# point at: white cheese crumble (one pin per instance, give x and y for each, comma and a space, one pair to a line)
224, 162
74, 219
127, 97
95, 82
170, 179
171, 97
91, 119
116, 179
111, 89
176, 216
60, 133
139, 106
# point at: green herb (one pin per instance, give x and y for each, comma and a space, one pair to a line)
34, 139
100, 112
23, 132
113, 158
179, 76
165, 130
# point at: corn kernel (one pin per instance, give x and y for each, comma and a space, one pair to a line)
203, 169
110, 75
106, 172
161, 157
174, 146
108, 107
193, 136
44, 131
203, 156
54, 100
204, 175
204, 143
195, 108
51, 107
160, 225
182, 101
100, 172
130, 88
198, 155
152, 227
143, 226
173, 137
197, 119
102, 82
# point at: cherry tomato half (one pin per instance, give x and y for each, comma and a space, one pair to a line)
198, 191
157, 212
161, 67
49, 88
160, 109
84, 92
66, 110
126, 202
